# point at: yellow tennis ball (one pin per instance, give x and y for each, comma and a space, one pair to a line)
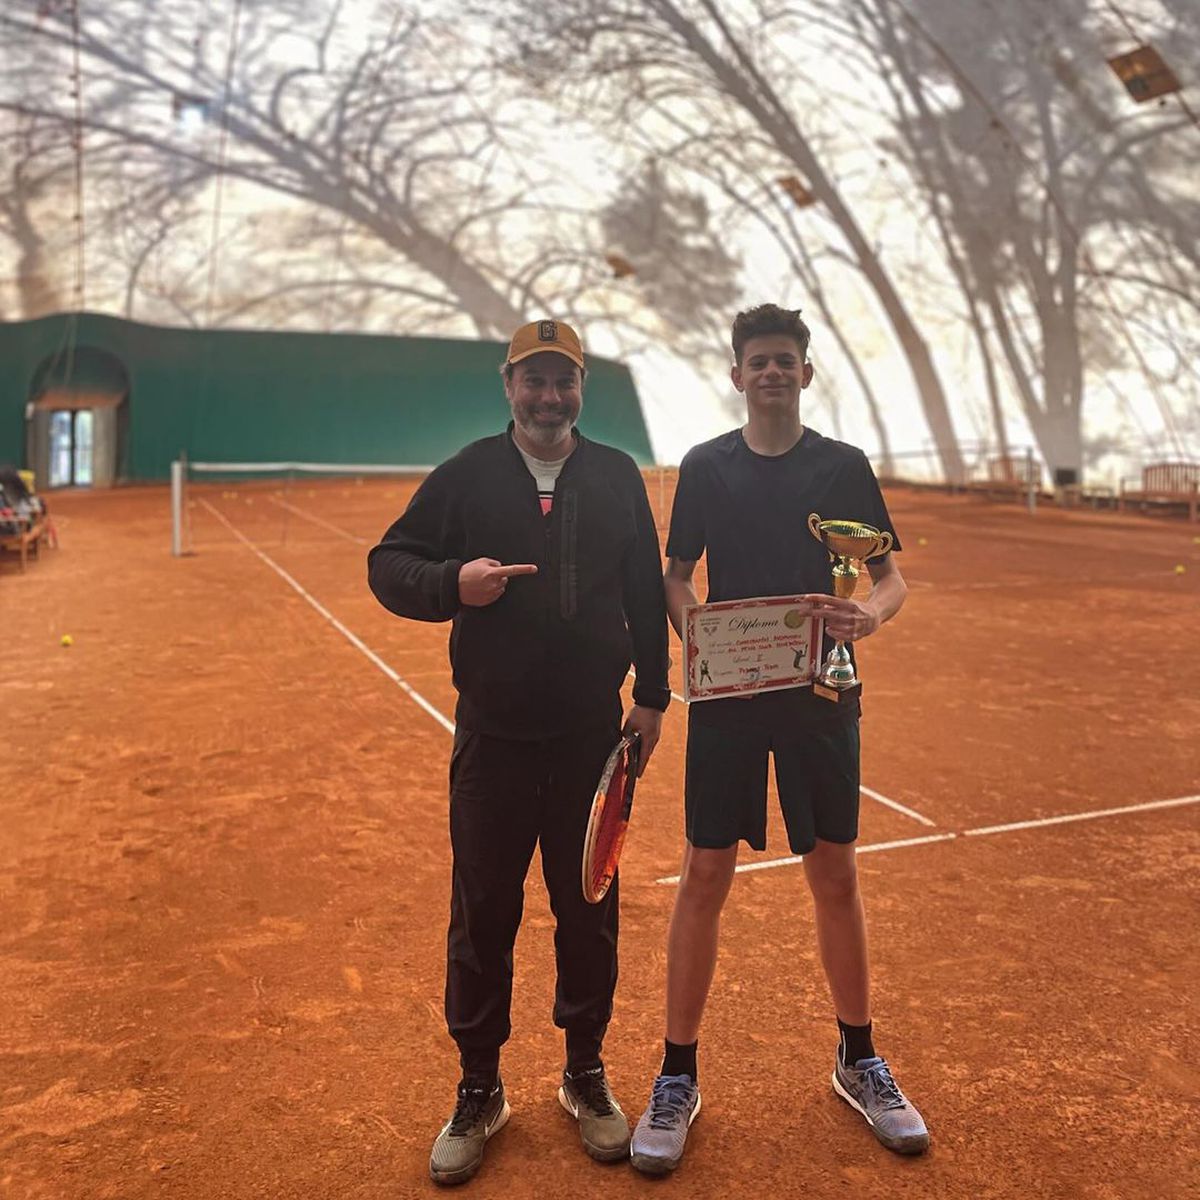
1180, 568
922, 541
67, 640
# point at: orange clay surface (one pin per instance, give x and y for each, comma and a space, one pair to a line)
224, 878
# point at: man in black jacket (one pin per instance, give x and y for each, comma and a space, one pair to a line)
541, 548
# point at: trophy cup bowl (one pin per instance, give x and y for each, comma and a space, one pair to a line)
845, 541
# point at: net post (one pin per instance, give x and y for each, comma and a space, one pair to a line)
177, 480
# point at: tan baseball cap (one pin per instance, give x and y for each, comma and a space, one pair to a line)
537, 336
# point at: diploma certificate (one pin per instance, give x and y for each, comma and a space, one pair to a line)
736, 647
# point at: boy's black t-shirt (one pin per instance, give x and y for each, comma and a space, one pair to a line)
749, 513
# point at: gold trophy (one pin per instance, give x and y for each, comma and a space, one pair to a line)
845, 541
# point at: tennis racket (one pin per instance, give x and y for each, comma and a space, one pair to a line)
610, 818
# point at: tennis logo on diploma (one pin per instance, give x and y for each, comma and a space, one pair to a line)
845, 541
742, 647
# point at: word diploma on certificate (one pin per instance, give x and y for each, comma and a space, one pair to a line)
740, 647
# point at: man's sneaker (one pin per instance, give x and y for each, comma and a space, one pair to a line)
659, 1138
602, 1125
458, 1150
868, 1086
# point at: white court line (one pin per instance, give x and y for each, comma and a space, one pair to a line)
318, 521
894, 804
353, 639
981, 832
1085, 816
792, 859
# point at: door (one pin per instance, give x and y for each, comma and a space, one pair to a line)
71, 436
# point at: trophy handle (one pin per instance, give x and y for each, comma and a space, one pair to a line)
884, 544
814, 526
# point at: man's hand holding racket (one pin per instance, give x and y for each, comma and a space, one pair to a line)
482, 581
647, 723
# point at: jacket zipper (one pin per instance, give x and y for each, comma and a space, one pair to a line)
567, 567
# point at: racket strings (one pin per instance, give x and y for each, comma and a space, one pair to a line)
611, 822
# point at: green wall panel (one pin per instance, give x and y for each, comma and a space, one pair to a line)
263, 396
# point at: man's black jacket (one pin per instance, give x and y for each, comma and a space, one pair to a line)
552, 653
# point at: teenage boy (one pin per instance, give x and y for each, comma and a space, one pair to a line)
744, 499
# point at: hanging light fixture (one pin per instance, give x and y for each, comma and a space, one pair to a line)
1144, 74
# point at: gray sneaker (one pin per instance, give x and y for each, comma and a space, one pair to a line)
602, 1125
659, 1138
458, 1150
869, 1088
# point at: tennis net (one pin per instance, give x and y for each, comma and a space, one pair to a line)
305, 489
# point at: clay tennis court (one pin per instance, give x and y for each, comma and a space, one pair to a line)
224, 877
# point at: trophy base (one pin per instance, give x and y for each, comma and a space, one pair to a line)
839, 695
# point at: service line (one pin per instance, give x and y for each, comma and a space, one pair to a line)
982, 831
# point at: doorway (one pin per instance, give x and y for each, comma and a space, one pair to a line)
71, 446
77, 419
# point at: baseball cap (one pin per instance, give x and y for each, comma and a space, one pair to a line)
537, 336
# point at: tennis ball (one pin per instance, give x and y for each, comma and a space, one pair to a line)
922, 541
1180, 568
67, 640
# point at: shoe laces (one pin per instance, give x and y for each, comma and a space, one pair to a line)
884, 1088
471, 1103
671, 1095
590, 1087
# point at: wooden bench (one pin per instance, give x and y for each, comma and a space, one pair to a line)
1018, 476
1176, 483
25, 542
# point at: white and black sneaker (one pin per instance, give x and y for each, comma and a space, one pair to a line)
602, 1125
458, 1150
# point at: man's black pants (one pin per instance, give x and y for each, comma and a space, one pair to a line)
505, 797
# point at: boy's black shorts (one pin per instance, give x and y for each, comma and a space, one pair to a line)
816, 771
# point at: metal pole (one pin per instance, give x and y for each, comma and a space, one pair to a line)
1029, 477
177, 508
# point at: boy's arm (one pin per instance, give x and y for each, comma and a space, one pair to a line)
680, 590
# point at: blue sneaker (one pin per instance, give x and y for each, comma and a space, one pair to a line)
658, 1140
868, 1087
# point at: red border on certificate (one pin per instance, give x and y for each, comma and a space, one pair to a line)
740, 647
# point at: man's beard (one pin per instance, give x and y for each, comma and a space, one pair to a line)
542, 434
